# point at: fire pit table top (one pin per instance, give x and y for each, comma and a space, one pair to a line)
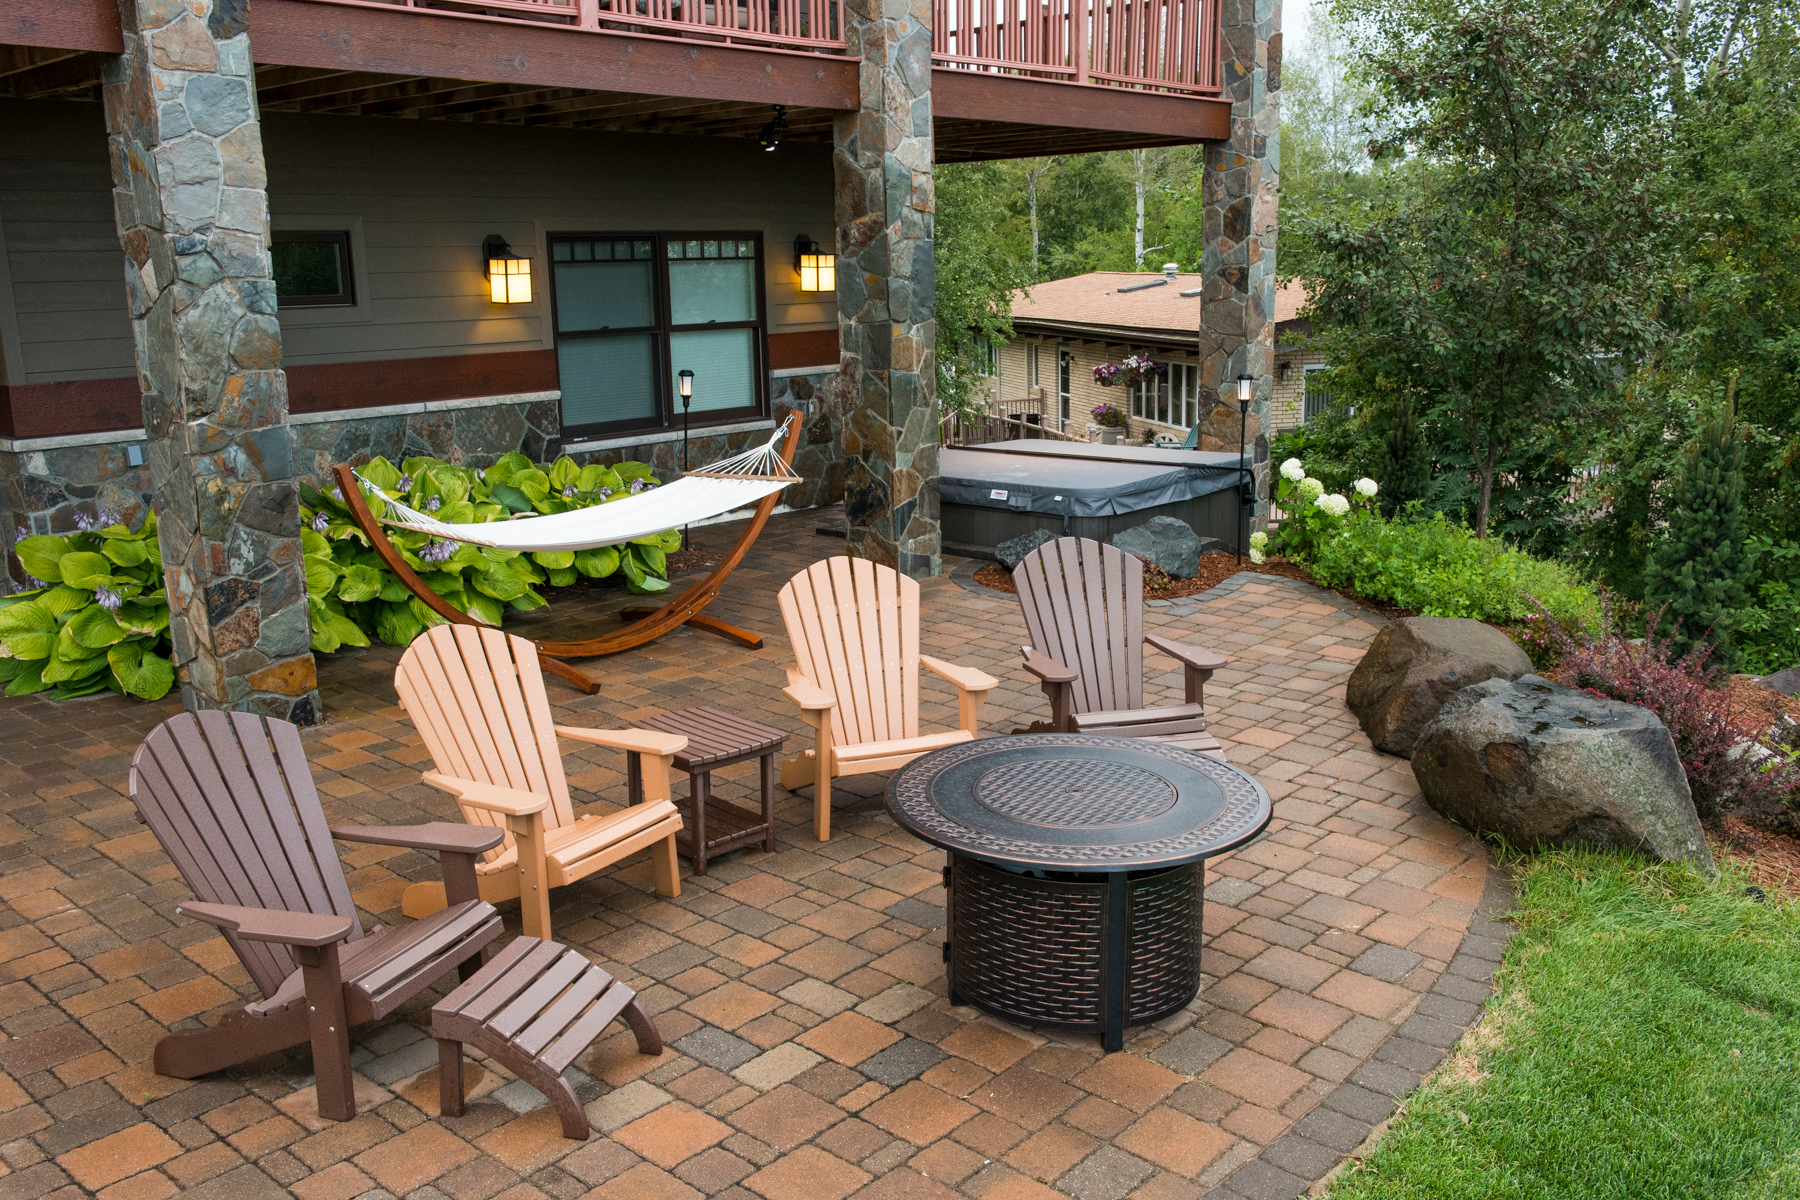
1077, 802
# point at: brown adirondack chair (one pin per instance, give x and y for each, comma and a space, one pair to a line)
230, 798
855, 629
477, 697
1084, 610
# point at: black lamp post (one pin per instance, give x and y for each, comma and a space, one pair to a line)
685, 383
1246, 386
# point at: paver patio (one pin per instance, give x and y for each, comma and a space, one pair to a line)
813, 1054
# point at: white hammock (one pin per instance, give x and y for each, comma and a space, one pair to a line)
709, 492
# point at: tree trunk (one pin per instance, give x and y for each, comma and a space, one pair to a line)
1485, 498
1139, 162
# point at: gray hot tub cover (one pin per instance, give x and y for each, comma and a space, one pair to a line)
1079, 480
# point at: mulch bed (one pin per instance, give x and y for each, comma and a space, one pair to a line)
1771, 856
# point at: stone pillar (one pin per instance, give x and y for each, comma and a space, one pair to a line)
193, 217
1237, 309
887, 306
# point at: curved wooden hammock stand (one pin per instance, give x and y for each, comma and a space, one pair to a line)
646, 624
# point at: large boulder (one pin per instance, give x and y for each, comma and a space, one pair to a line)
1417, 663
1012, 551
1545, 765
1168, 542
1786, 682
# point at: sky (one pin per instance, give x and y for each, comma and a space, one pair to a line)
1295, 26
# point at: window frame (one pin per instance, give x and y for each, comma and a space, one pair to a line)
667, 404
1178, 404
345, 298
1307, 411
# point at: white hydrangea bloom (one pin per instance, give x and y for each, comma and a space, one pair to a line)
1366, 487
1259, 540
1256, 555
1292, 471
1336, 504
1310, 489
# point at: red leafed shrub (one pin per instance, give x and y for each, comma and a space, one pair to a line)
1676, 688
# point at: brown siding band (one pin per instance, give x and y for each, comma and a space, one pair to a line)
332, 387
34, 410
62, 25
808, 348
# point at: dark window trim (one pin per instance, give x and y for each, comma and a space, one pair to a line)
338, 237
668, 406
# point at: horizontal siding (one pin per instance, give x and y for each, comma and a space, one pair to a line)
68, 275
427, 193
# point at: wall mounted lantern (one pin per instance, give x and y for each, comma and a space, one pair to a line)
508, 274
818, 271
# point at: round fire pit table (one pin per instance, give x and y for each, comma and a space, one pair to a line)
1076, 872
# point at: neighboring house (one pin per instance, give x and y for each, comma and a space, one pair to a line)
1065, 328
469, 227
1295, 402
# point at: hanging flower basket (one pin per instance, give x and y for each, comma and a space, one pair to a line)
1136, 369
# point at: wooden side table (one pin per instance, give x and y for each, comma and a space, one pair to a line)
716, 739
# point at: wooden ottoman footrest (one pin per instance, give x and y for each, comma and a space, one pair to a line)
535, 1007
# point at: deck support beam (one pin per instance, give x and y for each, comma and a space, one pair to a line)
887, 307
190, 200
1237, 316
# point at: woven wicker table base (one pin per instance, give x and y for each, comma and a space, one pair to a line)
1090, 951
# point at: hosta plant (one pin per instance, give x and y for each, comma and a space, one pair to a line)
94, 617
352, 596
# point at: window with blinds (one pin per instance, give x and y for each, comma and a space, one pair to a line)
1172, 398
632, 311
1315, 396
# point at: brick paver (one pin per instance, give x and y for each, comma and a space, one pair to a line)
812, 1050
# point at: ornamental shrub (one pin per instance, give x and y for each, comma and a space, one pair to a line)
1403, 461
1723, 770
96, 618
351, 595
1699, 575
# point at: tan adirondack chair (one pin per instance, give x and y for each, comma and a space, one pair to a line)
477, 697
855, 630
1084, 610
231, 800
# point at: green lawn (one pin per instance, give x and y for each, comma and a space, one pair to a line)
1645, 1043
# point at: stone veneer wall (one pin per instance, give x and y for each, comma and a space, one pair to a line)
42, 490
887, 309
1237, 305
193, 220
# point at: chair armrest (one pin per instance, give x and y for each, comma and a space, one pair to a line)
271, 925
1047, 669
807, 694
637, 741
444, 837
1187, 656
966, 679
510, 802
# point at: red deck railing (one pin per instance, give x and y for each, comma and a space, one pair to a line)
1154, 45
1159, 45
815, 25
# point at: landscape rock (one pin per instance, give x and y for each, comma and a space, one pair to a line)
1012, 551
1540, 764
1786, 682
1415, 664
1168, 542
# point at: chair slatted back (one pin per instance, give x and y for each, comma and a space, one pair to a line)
476, 696
231, 799
855, 629
1084, 607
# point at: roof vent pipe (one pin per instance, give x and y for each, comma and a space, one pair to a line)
1171, 270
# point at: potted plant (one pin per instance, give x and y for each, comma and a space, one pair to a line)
1136, 369
1111, 422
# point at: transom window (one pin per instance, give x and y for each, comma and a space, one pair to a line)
1172, 398
633, 310
312, 268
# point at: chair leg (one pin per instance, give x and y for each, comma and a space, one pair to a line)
330, 1031
822, 801
766, 765
649, 1037
238, 1038
666, 867
450, 1078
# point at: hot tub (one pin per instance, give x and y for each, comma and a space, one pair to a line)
995, 492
